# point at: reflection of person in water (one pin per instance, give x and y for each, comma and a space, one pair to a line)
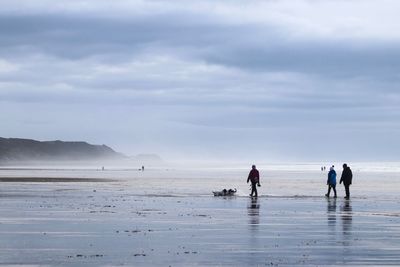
255, 240
347, 217
253, 210
331, 211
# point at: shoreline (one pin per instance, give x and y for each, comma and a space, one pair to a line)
53, 180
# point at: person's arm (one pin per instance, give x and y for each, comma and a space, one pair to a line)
258, 178
341, 177
248, 178
350, 176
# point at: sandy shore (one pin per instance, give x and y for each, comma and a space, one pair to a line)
53, 180
103, 223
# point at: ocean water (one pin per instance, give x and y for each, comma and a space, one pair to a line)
370, 180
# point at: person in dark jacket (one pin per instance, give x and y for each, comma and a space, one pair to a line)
347, 177
254, 177
331, 181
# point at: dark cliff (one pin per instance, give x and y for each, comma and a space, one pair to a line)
15, 149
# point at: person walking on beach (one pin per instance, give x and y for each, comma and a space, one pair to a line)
331, 181
254, 177
347, 177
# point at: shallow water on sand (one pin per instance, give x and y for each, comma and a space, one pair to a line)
169, 217
302, 181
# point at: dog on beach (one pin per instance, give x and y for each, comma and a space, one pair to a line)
222, 193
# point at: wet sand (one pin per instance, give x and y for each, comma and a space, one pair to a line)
52, 180
110, 223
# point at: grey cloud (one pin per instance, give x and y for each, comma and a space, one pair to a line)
77, 36
192, 82
245, 46
342, 60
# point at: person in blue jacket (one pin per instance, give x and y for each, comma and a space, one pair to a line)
331, 181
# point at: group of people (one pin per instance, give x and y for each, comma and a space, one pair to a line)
346, 179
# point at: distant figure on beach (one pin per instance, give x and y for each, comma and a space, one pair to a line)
331, 181
102, 168
347, 177
254, 177
142, 168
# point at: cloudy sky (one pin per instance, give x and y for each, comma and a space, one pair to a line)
277, 80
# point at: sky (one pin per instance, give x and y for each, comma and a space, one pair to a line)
276, 80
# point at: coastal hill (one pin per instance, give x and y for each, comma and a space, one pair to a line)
15, 149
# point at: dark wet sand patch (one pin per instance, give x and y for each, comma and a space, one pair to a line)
52, 180
387, 214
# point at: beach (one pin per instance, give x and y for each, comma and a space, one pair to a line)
169, 217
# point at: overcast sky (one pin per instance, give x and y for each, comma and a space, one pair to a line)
246, 80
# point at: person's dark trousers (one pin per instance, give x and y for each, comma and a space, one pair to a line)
254, 189
334, 189
347, 188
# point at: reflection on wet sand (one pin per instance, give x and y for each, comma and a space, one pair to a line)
253, 210
331, 213
347, 219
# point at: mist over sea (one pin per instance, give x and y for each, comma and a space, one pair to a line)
373, 179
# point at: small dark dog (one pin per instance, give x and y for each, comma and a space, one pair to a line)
224, 192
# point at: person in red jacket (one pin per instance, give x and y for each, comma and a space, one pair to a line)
254, 177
